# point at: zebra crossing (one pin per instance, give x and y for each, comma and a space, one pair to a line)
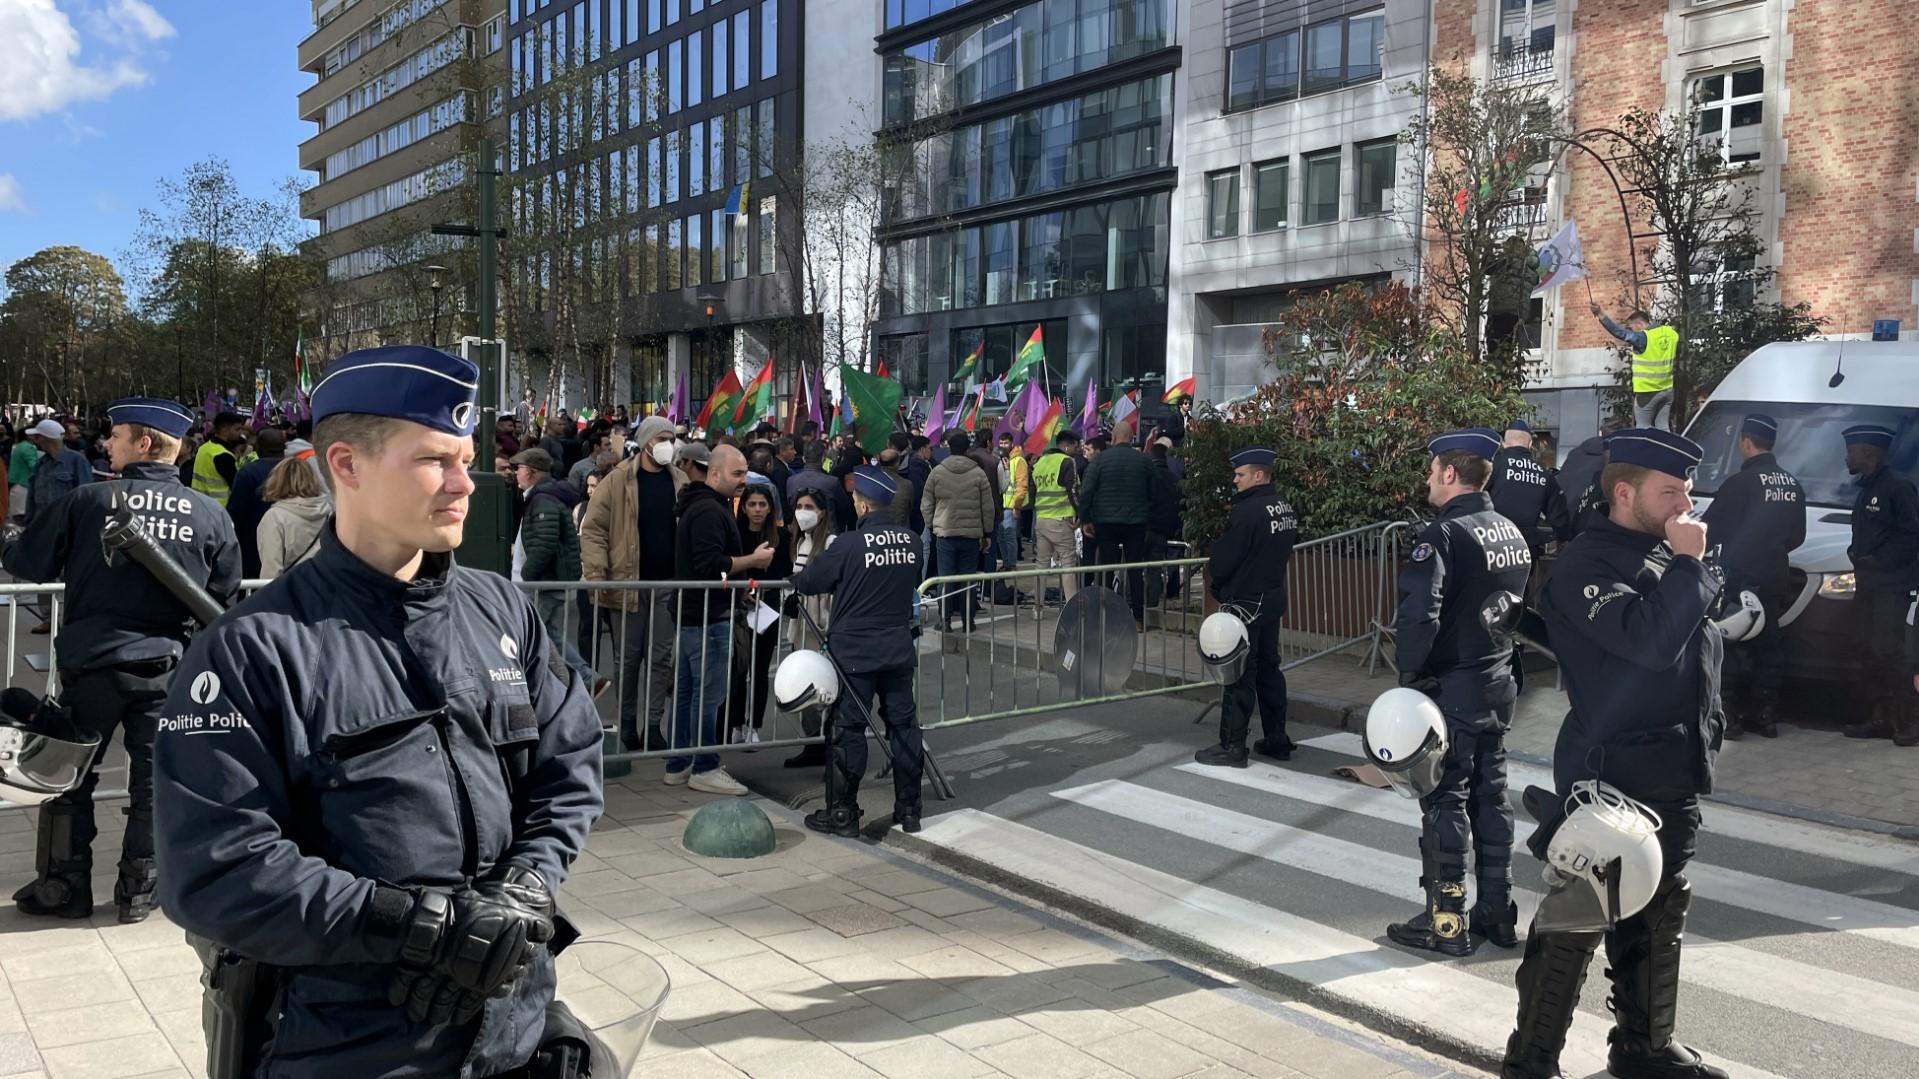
1802, 955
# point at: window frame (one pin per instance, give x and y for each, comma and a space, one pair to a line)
1306, 203
1284, 165
1385, 207
1220, 227
1725, 107
1297, 37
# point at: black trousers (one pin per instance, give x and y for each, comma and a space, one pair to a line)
1882, 621
1115, 545
1642, 956
1469, 811
130, 699
846, 763
1755, 670
1261, 681
756, 666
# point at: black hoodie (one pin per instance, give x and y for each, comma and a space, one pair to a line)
703, 550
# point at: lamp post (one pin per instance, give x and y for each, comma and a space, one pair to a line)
710, 303
435, 280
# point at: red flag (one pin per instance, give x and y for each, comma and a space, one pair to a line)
721, 402
758, 395
881, 372
1043, 435
1183, 388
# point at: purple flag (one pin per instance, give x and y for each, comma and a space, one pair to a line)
1089, 417
813, 406
676, 408
262, 407
1022, 403
936, 422
211, 408
1036, 407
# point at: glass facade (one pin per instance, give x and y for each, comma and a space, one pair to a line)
1336, 53
1028, 47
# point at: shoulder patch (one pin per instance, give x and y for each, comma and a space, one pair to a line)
1422, 552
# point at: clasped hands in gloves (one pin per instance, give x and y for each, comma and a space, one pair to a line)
461, 948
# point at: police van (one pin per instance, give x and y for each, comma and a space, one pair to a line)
1815, 389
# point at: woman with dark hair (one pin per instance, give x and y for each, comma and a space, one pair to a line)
813, 529
758, 524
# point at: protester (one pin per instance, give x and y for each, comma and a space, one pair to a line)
812, 528
246, 504
297, 510
21, 462
758, 525
216, 463
59, 472
958, 505
548, 549
1116, 499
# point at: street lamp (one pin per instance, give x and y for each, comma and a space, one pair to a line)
710, 303
434, 281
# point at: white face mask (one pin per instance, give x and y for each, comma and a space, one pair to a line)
662, 453
806, 519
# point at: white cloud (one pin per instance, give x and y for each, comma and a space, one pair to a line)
40, 66
12, 198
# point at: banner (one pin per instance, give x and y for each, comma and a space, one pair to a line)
1561, 260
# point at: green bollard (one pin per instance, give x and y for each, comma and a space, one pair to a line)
734, 828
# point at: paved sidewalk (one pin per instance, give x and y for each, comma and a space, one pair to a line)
829, 958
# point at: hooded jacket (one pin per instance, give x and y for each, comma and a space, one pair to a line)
703, 550
290, 532
958, 502
547, 537
610, 532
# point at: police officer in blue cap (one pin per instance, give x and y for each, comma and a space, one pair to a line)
1627, 610
1757, 517
1248, 569
1885, 547
1525, 492
373, 775
1464, 584
872, 572
121, 639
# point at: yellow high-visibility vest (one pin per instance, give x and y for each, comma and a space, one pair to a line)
1652, 369
1050, 501
206, 478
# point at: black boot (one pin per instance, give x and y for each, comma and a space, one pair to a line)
1645, 999
1549, 979
1633, 1058
811, 755
1905, 724
1763, 719
1222, 756
63, 887
1496, 922
1441, 927
1877, 724
907, 818
839, 820
1283, 751
133, 892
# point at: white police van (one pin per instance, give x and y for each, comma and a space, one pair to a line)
1815, 389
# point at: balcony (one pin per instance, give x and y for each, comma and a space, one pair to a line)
1520, 61
1523, 213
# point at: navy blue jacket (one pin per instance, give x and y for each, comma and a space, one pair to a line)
118, 612
246, 506
872, 572
1524, 492
1461, 562
1885, 531
1756, 519
1627, 619
1248, 561
342, 727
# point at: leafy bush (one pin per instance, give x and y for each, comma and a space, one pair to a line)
1365, 377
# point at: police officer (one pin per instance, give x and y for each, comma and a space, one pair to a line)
1885, 545
1464, 586
872, 572
121, 640
373, 775
1525, 492
1248, 568
1627, 611
1757, 518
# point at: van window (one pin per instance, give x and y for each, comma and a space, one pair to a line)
1810, 445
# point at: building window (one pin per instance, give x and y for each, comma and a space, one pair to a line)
695, 249
495, 35
1377, 172
769, 207
769, 38
696, 161
742, 51
764, 147
1729, 112
695, 82
1526, 32
1269, 196
675, 257
673, 77
720, 58
1222, 204
1322, 187
1341, 52
1722, 281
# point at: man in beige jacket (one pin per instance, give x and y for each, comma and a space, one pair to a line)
627, 535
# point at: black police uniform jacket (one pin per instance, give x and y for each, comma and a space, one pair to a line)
1885, 531
1249, 559
1627, 619
1471, 554
342, 728
117, 611
872, 572
1523, 492
1758, 517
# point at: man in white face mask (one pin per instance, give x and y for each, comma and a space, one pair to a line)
627, 535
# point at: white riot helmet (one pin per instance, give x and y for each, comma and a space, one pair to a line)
42, 754
1406, 740
1225, 645
1602, 863
805, 679
1744, 622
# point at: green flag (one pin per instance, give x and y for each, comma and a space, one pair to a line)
1032, 353
875, 402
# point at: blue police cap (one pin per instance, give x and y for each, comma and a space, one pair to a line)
1869, 434
1257, 456
1651, 447
873, 485
167, 417
1519, 425
405, 382
1761, 427
1478, 441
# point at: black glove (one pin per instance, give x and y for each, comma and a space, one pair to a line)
791, 608
1423, 683
457, 950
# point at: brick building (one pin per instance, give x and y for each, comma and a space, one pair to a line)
1818, 97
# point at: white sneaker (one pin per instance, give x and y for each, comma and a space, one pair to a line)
736, 736
752, 735
678, 779
716, 782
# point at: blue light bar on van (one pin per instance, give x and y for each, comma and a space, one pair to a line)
1885, 329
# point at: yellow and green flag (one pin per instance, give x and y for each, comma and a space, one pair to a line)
721, 403
969, 367
875, 401
757, 399
1031, 354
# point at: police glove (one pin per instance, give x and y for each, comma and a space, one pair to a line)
459, 949
1425, 684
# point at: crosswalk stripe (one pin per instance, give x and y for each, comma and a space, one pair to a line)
1764, 895
1830, 997
1446, 1002
1772, 830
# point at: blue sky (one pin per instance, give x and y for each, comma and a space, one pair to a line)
99, 99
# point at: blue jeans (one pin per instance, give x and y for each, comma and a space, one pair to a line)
552, 608
1006, 537
705, 654
958, 555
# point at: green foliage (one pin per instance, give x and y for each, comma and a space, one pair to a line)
1365, 378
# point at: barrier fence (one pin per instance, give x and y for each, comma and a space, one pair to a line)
991, 646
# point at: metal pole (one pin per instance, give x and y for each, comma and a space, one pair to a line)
490, 358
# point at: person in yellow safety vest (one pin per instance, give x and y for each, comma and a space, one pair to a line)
1055, 509
215, 465
1653, 351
